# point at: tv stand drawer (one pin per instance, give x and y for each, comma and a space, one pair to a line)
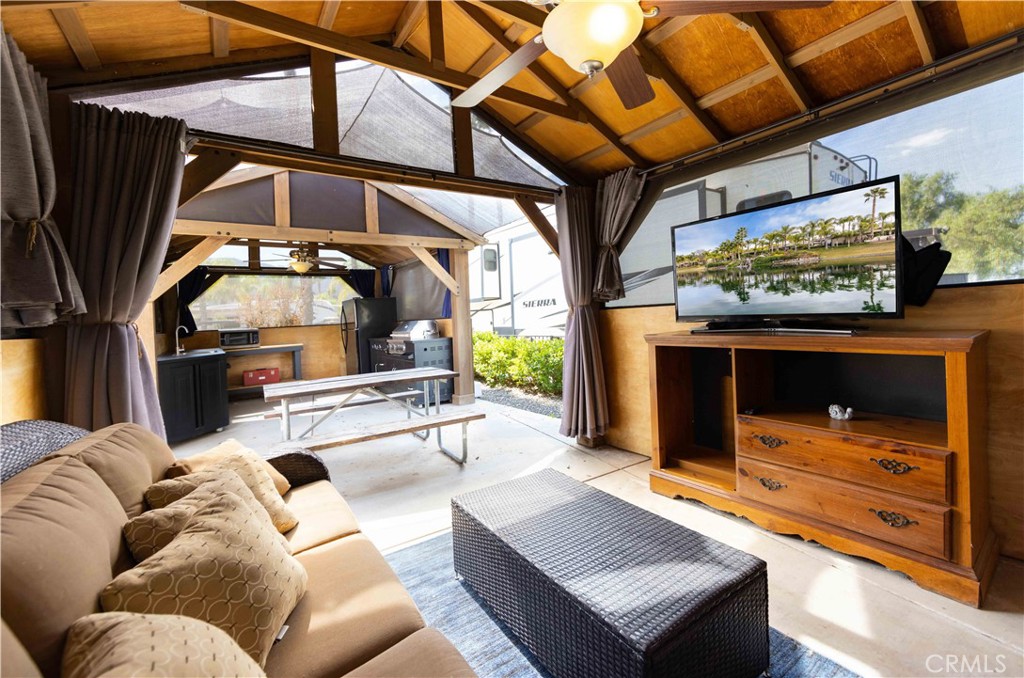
915, 525
919, 472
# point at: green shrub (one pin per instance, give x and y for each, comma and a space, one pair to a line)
532, 365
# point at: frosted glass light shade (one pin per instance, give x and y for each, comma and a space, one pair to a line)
300, 266
589, 34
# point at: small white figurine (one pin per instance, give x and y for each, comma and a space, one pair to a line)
837, 412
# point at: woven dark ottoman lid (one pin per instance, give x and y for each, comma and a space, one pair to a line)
644, 576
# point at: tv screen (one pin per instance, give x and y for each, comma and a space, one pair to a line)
834, 254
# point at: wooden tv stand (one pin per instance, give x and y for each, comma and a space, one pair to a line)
741, 423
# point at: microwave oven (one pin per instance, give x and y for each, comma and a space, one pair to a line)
243, 337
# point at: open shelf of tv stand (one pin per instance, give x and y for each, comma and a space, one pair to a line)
740, 422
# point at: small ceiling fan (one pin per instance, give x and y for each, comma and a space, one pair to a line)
596, 35
302, 260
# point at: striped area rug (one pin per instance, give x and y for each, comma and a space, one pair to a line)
491, 649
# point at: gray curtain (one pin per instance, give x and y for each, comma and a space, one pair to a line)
584, 401
617, 197
128, 169
37, 284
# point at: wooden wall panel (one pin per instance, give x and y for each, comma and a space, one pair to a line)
998, 308
24, 388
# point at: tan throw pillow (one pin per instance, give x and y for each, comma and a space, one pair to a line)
151, 531
226, 567
152, 646
203, 460
164, 492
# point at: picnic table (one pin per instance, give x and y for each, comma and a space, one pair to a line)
364, 389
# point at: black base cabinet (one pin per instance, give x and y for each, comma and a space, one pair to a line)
193, 393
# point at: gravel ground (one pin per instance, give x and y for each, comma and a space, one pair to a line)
531, 402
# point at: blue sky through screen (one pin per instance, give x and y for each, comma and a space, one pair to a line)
708, 235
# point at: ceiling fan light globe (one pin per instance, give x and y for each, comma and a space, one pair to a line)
582, 32
300, 266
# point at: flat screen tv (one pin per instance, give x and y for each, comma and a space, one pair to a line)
820, 259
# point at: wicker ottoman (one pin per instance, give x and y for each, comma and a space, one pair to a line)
596, 587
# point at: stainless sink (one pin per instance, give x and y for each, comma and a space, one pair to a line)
195, 353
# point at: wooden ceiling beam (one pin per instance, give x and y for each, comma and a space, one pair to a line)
287, 28
435, 26
666, 29
539, 221
653, 126
220, 38
323, 92
480, 18
241, 176
919, 27
282, 200
426, 210
413, 14
593, 154
77, 37
266, 232
357, 168
849, 32
758, 32
658, 69
328, 13
520, 12
742, 84
170, 276
133, 70
208, 166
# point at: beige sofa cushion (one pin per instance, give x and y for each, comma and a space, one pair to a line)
128, 457
152, 646
61, 544
15, 661
424, 654
322, 513
355, 609
204, 460
149, 532
164, 492
226, 567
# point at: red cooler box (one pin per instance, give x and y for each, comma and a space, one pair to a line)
269, 375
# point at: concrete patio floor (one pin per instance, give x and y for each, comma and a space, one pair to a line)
871, 620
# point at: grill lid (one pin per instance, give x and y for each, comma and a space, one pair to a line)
411, 330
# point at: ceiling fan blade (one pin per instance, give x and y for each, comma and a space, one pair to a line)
328, 264
695, 7
500, 74
629, 80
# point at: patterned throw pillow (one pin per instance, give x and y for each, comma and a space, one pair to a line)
204, 460
255, 478
151, 531
226, 567
152, 646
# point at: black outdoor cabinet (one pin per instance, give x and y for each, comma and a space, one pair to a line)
193, 392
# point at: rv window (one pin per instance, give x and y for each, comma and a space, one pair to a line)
762, 200
490, 260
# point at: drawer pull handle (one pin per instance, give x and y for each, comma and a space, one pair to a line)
895, 467
893, 519
771, 442
769, 484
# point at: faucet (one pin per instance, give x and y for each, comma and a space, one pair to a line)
178, 348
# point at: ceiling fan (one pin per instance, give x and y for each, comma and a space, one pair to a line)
302, 260
596, 35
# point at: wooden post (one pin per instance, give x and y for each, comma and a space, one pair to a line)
462, 141
324, 97
462, 330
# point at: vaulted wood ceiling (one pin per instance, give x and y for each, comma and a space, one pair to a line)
716, 77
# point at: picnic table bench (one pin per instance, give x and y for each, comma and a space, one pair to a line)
363, 389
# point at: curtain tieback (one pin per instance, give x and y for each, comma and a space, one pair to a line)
138, 339
32, 226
